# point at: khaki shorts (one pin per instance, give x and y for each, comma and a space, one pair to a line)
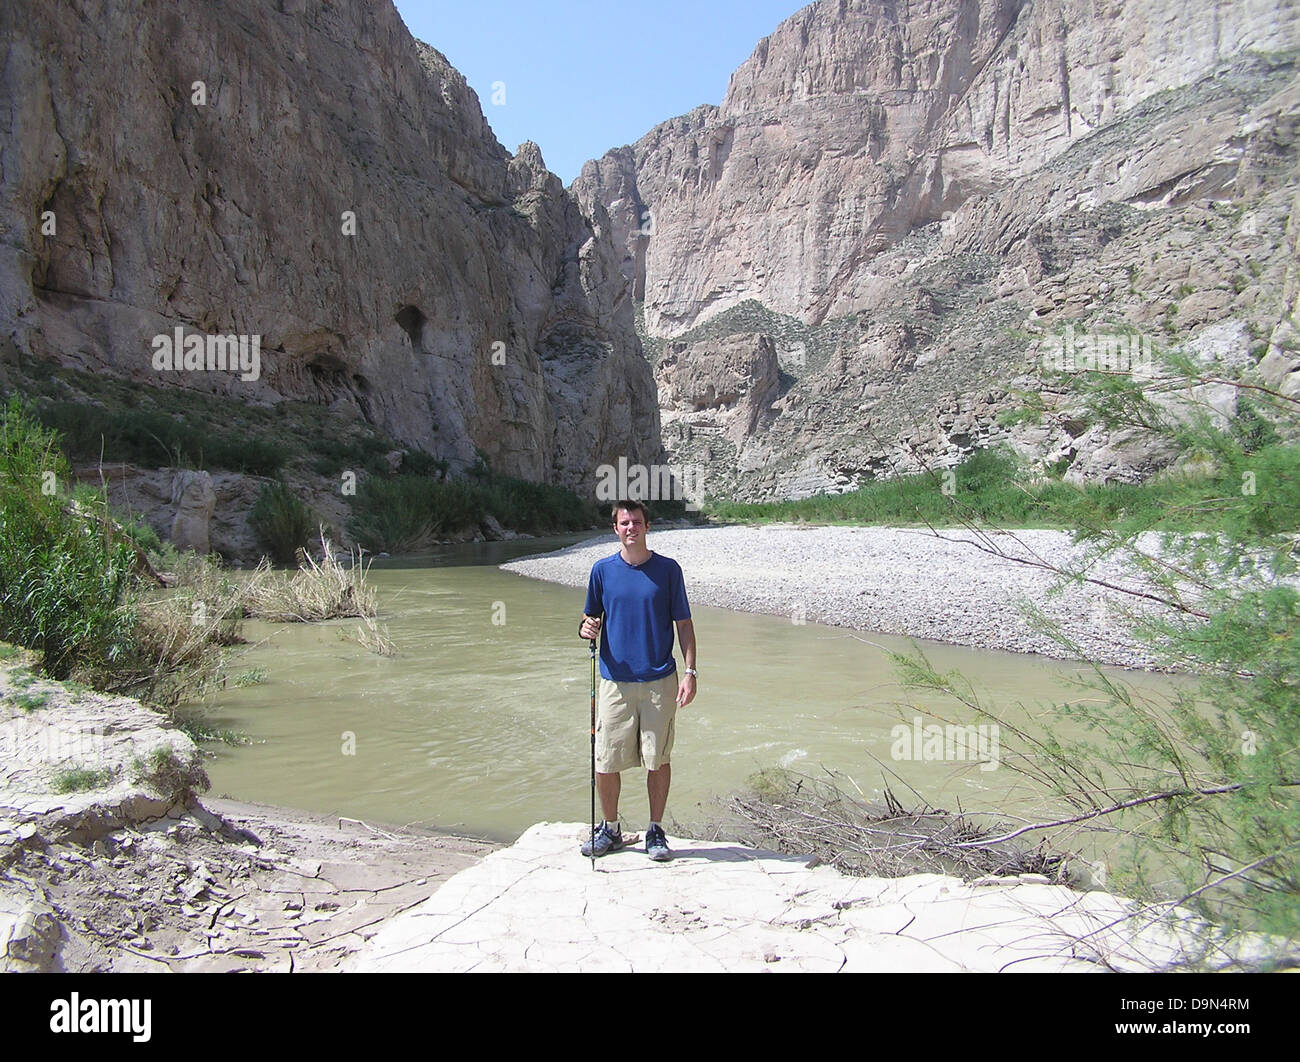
635, 724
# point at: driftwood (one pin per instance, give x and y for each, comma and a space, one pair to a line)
814, 818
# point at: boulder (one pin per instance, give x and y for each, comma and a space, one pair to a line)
195, 499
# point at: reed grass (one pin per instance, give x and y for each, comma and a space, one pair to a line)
318, 590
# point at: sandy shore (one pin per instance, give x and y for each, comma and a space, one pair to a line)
953, 586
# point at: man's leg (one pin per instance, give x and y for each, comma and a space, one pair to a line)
608, 787
616, 750
656, 783
616, 745
658, 714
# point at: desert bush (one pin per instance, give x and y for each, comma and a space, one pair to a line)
184, 438
407, 513
167, 774
537, 508
1191, 794
65, 580
418, 463
180, 633
282, 522
81, 779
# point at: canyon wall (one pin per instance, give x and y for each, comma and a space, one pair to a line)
904, 196
310, 174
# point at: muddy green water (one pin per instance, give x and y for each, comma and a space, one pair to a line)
480, 723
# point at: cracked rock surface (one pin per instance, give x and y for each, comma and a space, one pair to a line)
227, 887
718, 906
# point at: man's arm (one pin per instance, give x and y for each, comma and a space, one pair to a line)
593, 613
686, 639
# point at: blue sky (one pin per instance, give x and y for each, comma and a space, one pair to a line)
584, 76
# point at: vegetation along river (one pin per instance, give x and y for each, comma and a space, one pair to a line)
480, 722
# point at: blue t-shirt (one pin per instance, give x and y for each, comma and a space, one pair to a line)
640, 604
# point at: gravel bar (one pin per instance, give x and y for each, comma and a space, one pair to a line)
953, 586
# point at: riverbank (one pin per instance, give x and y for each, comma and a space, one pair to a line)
109, 861
219, 886
951, 586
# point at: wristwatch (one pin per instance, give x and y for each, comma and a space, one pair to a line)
692, 672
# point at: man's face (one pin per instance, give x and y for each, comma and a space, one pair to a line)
630, 526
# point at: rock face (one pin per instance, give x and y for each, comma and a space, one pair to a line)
195, 499
1280, 368
904, 197
728, 385
309, 175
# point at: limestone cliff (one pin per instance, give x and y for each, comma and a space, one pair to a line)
310, 174
902, 195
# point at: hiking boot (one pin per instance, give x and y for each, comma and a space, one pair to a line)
606, 841
656, 845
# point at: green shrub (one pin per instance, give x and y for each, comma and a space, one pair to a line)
80, 779
538, 508
252, 677
63, 581
1191, 792
31, 702
142, 534
418, 463
184, 439
164, 772
990, 486
133, 526
353, 451
282, 522
408, 512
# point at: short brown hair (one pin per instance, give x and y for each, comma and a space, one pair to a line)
632, 507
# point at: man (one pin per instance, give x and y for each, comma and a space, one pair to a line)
634, 597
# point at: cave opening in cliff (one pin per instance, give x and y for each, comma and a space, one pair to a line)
412, 322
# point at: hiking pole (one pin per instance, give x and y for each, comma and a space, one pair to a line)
593, 753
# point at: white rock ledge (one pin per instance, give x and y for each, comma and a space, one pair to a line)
717, 906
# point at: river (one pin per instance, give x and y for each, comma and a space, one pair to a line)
480, 722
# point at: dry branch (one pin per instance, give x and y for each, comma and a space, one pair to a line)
808, 817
